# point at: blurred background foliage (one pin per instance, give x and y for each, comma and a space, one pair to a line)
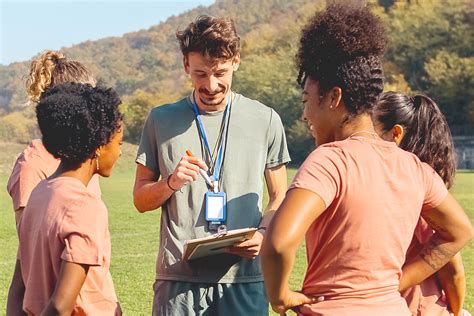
431, 50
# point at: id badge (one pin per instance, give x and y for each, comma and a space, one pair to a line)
216, 207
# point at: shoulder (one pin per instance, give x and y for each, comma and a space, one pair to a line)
251, 105
171, 109
75, 195
255, 113
36, 152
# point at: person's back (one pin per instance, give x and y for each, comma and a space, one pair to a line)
378, 195
404, 120
58, 212
35, 163
64, 242
356, 198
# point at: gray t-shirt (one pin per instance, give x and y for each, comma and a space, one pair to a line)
256, 141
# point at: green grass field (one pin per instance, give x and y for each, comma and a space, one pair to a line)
135, 235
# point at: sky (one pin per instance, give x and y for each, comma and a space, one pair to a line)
28, 27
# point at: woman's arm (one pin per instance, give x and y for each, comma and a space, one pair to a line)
71, 279
453, 231
299, 210
453, 282
16, 293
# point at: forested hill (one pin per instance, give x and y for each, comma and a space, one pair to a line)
149, 59
431, 50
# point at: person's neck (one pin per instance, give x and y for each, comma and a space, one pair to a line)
360, 126
83, 172
213, 108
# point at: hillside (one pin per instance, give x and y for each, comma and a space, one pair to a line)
147, 59
431, 50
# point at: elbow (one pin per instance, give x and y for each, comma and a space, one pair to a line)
274, 247
468, 235
140, 200
139, 206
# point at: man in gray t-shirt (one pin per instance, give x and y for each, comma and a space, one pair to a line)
239, 142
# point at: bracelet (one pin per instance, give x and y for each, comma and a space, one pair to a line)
168, 183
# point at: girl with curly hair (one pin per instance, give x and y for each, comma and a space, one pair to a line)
64, 252
356, 198
35, 163
416, 124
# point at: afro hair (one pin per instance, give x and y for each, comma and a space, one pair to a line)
342, 46
76, 119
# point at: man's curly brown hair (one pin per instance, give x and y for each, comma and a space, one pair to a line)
211, 37
342, 46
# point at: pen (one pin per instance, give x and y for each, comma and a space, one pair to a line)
201, 171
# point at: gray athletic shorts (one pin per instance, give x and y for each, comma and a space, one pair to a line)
227, 299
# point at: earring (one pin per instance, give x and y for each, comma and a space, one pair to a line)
97, 162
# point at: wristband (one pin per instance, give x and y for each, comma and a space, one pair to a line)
168, 183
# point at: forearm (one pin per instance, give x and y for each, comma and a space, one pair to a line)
277, 266
16, 293
69, 284
151, 195
434, 255
453, 282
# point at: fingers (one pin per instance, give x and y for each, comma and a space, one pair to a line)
195, 161
186, 171
248, 253
247, 244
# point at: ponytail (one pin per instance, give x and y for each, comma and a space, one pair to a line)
41, 71
52, 68
427, 133
430, 138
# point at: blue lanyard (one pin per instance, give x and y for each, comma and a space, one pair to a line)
218, 163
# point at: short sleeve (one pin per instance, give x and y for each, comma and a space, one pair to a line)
83, 232
435, 191
321, 173
148, 148
277, 147
24, 178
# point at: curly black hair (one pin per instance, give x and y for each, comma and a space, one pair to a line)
75, 119
342, 46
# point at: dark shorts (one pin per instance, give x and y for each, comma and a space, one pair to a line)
227, 299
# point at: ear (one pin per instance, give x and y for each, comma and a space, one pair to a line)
236, 62
186, 64
336, 96
397, 133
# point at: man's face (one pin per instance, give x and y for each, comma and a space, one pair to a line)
211, 79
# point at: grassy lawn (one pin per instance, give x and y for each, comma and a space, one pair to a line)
135, 235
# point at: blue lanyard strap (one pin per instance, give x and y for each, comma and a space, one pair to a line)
219, 160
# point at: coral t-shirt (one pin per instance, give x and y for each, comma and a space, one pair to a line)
65, 221
373, 192
34, 164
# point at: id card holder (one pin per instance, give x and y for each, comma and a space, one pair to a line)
216, 210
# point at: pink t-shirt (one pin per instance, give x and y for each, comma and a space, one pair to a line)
34, 164
64, 220
426, 298
373, 192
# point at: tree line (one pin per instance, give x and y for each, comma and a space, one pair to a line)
431, 50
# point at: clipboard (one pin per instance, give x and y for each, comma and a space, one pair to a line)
215, 244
